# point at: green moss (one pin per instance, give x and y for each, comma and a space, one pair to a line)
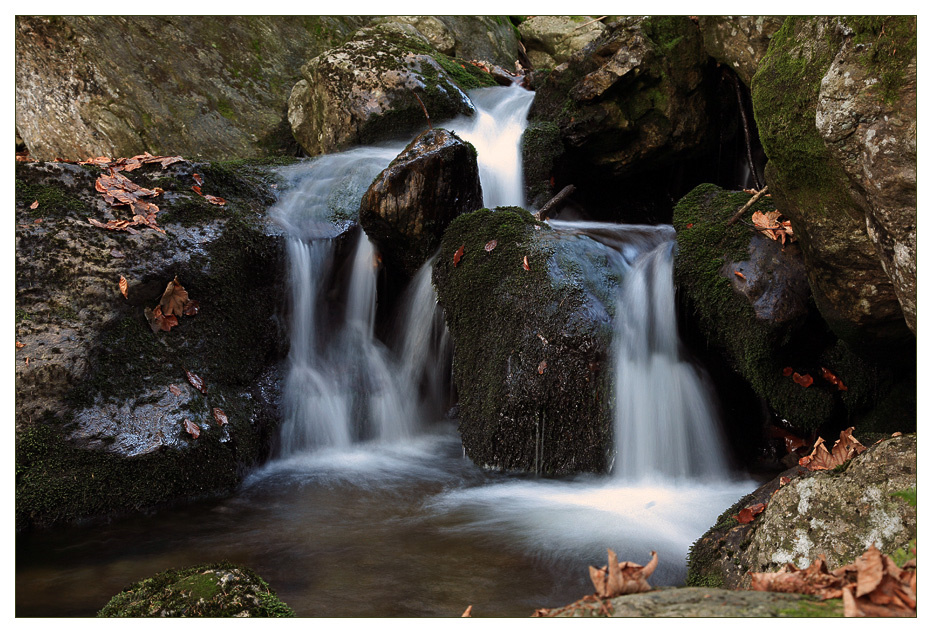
541, 147
890, 43
908, 495
216, 590
225, 108
463, 73
904, 554
810, 607
54, 200
22, 315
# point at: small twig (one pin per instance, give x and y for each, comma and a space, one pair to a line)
555, 203
590, 22
429, 126
757, 196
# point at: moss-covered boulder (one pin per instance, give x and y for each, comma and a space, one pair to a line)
811, 186
738, 41
221, 590
409, 205
551, 40
764, 322
369, 89
836, 513
208, 87
482, 37
531, 345
102, 399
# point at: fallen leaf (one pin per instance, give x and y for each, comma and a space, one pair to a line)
158, 321
846, 447
526, 265
196, 381
748, 514
542, 367
739, 274
197, 190
490, 245
39, 221
123, 286
833, 379
618, 579
34, 205
690, 225
458, 255
897, 434
215, 200
192, 308
175, 390
174, 299
805, 380
784, 481
193, 429
220, 416
467, 613
787, 371
115, 225
20, 345
198, 179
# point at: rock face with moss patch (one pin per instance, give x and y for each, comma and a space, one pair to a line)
101, 399
368, 89
551, 40
483, 37
531, 347
409, 205
809, 181
738, 41
209, 87
838, 513
221, 590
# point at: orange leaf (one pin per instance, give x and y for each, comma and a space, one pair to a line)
467, 613
20, 345
220, 416
784, 481
174, 299
193, 429
526, 265
805, 380
748, 514
158, 321
542, 367
196, 381
739, 274
787, 371
846, 447
618, 579
197, 190
689, 226
458, 255
34, 205
198, 179
123, 286
215, 200
490, 245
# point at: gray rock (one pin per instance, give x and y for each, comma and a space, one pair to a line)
774, 280
409, 205
738, 41
481, 37
551, 39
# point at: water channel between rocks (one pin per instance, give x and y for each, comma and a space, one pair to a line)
386, 517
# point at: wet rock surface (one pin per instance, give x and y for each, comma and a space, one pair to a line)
739, 41
409, 205
481, 37
551, 40
836, 513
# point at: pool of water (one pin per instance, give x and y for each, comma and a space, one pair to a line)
408, 529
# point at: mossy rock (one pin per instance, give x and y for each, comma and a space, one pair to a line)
220, 590
531, 346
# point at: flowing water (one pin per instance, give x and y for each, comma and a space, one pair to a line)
369, 507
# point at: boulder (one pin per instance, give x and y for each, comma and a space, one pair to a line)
101, 399
866, 114
810, 184
531, 360
738, 41
219, 590
482, 37
409, 205
208, 87
551, 40
369, 89
836, 513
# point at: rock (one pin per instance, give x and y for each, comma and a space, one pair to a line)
218, 590
838, 513
866, 114
738, 41
551, 39
811, 187
208, 87
531, 360
481, 37
367, 90
705, 602
409, 205
99, 429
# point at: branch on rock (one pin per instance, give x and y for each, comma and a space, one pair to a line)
750, 203
585, 24
555, 203
424, 108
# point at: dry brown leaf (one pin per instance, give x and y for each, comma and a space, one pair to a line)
215, 200
196, 381
784, 481
115, 225
738, 273
34, 205
174, 298
158, 321
618, 579
193, 429
467, 613
192, 308
846, 447
526, 265
220, 416
196, 189
748, 514
20, 345
804, 380
123, 286
542, 367
490, 245
815, 580
458, 255
198, 179
175, 390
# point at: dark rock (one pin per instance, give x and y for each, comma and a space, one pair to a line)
774, 280
367, 90
811, 186
409, 205
837, 513
552, 39
738, 41
209, 87
221, 590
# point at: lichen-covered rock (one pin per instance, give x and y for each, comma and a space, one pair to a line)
551, 39
409, 205
738, 41
531, 346
866, 114
220, 590
482, 37
209, 87
100, 427
837, 513
368, 89
811, 187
